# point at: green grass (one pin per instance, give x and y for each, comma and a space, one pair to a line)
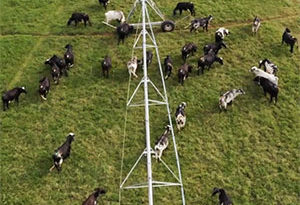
252, 150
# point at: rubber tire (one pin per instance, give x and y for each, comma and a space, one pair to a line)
167, 26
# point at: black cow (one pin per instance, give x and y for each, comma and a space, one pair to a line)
44, 87
149, 56
104, 3
106, 65
59, 62
268, 87
168, 64
69, 56
223, 198
183, 72
208, 60
289, 39
92, 199
187, 49
79, 17
200, 22
215, 47
12, 95
62, 153
185, 6
123, 31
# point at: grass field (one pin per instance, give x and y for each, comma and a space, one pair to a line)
252, 150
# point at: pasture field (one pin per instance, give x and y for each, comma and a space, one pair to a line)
252, 150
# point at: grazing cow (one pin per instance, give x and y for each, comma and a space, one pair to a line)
200, 22
208, 60
255, 25
228, 97
11, 95
183, 72
62, 153
289, 39
260, 73
269, 67
149, 56
79, 17
106, 65
92, 199
44, 87
114, 15
104, 3
162, 143
184, 6
132, 66
268, 87
224, 199
180, 116
168, 64
59, 62
187, 49
123, 31
69, 56
215, 47
221, 33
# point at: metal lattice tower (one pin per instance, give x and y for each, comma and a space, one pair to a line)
148, 151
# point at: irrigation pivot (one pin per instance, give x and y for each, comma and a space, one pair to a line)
145, 81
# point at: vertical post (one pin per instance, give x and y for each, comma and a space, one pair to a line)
149, 166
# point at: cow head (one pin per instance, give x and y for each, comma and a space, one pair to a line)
253, 69
99, 191
220, 60
241, 91
23, 90
287, 30
71, 137
210, 17
68, 46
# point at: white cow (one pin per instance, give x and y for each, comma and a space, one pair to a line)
260, 73
162, 143
132, 66
114, 15
228, 97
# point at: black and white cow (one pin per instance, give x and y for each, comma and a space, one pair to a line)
44, 87
168, 64
183, 72
11, 95
79, 17
92, 199
268, 87
215, 47
221, 33
180, 116
69, 56
162, 143
132, 65
289, 39
106, 65
208, 60
228, 97
62, 153
104, 3
59, 62
188, 49
184, 6
269, 67
255, 24
224, 199
123, 31
200, 22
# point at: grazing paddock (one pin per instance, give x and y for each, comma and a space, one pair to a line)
252, 150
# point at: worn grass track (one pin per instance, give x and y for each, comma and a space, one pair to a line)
252, 150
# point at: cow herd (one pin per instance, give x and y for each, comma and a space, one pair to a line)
267, 77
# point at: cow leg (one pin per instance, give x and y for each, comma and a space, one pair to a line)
4, 105
76, 22
292, 48
180, 11
84, 23
17, 100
